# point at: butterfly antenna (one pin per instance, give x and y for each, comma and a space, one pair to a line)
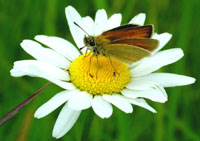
82, 47
81, 28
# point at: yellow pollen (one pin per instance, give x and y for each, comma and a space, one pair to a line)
98, 75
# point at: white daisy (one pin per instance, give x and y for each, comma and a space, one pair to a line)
134, 84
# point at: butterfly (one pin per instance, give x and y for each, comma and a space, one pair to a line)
127, 43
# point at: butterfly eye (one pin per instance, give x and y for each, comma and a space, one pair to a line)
92, 43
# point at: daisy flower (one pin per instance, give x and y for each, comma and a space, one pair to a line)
67, 66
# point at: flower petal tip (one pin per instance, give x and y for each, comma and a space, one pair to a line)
139, 19
24, 42
142, 16
191, 80
38, 114
166, 35
180, 51
40, 37
68, 7
129, 112
154, 111
12, 72
105, 117
164, 99
101, 11
56, 135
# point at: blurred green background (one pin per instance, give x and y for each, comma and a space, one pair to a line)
177, 119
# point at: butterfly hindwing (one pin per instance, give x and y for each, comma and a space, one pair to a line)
145, 43
125, 53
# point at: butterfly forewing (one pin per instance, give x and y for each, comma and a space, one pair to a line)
123, 27
125, 53
126, 31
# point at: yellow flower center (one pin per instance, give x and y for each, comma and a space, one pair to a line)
98, 75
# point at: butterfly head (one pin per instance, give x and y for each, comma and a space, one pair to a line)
89, 41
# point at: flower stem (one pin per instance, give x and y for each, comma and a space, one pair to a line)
21, 105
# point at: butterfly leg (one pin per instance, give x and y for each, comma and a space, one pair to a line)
98, 65
66, 69
114, 73
90, 61
86, 53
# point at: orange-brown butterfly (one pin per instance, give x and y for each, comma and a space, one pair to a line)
127, 43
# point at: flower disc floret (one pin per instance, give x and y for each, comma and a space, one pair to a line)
98, 74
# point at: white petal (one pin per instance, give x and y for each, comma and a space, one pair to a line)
168, 79
65, 121
157, 94
114, 21
89, 24
73, 16
60, 45
36, 68
53, 103
44, 54
119, 101
133, 65
142, 103
80, 101
139, 19
101, 22
139, 83
163, 40
157, 61
101, 107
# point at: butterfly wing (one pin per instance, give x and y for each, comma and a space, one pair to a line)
123, 27
145, 43
128, 31
125, 53
127, 43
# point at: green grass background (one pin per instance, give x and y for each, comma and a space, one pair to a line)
177, 119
